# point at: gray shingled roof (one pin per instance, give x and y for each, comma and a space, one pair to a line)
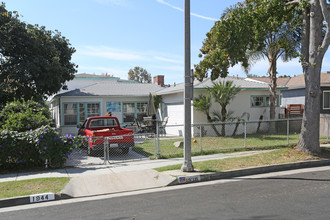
114, 89
174, 88
241, 82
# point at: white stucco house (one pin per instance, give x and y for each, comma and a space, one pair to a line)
253, 100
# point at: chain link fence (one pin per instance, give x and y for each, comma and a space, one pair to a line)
105, 150
209, 138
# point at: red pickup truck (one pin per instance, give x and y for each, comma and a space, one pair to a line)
101, 128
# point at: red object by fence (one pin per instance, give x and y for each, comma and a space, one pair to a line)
295, 109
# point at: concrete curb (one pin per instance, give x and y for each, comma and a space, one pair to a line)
24, 200
247, 172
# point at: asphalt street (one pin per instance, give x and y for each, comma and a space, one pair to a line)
296, 196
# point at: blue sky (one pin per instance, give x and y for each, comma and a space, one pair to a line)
113, 36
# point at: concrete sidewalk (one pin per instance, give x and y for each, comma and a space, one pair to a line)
138, 175
121, 167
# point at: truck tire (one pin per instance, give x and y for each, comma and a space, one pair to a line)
125, 147
125, 150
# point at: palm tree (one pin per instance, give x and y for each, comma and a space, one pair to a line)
223, 92
203, 104
282, 43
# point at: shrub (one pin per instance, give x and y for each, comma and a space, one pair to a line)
32, 148
21, 115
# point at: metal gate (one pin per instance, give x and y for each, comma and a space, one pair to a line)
109, 150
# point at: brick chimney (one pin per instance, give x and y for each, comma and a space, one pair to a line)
159, 80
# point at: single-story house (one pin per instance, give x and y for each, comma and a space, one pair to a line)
94, 95
295, 92
251, 102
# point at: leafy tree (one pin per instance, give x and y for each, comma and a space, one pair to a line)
21, 115
157, 99
223, 92
139, 74
315, 43
34, 62
249, 32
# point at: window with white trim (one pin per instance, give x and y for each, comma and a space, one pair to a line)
326, 99
257, 101
141, 110
70, 114
128, 112
262, 101
93, 109
134, 110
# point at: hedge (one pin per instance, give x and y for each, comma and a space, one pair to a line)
33, 148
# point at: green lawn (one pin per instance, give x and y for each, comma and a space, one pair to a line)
32, 186
279, 156
214, 144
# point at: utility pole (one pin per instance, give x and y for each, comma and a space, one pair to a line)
187, 164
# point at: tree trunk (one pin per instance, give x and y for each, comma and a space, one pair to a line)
313, 49
272, 90
224, 119
209, 119
236, 126
309, 135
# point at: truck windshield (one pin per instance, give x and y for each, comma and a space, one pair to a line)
104, 122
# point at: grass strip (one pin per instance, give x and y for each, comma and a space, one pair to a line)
200, 146
32, 186
279, 156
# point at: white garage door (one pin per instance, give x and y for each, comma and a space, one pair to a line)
175, 120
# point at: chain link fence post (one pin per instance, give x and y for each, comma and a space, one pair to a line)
200, 137
327, 129
245, 134
157, 138
106, 149
288, 131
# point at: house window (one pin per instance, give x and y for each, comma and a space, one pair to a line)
257, 101
70, 114
141, 110
128, 112
262, 101
75, 113
134, 110
82, 116
93, 109
326, 99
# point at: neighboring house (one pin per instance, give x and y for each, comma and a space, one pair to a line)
253, 99
91, 95
295, 95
